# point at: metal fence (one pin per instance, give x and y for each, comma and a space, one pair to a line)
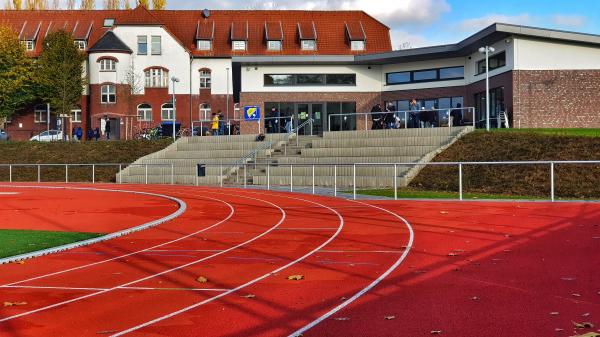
337, 179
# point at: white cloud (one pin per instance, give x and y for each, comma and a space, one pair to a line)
473, 25
571, 21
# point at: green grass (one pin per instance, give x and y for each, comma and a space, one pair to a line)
15, 242
422, 194
554, 132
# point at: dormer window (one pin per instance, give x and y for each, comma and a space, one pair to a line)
80, 44
109, 22
357, 45
274, 45
238, 45
29, 45
204, 44
309, 44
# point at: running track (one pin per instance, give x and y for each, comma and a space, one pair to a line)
465, 269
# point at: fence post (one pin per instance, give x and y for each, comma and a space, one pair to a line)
10, 173
460, 181
268, 176
146, 174
39, 174
354, 181
313, 179
552, 181
66, 173
120, 174
335, 180
245, 175
172, 174
405, 120
93, 173
291, 178
473, 114
366, 121
395, 182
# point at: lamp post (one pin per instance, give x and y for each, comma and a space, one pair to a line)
487, 50
174, 79
227, 100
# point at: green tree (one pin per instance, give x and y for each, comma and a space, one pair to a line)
15, 74
59, 73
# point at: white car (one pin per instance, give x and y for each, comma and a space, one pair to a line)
48, 136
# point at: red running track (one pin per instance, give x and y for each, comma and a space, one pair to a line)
474, 269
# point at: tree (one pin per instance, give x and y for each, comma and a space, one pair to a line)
126, 4
15, 73
144, 3
59, 73
88, 4
70, 4
159, 4
17, 4
111, 4
133, 85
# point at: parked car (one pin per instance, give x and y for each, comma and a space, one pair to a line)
4, 136
48, 136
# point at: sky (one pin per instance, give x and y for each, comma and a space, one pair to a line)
420, 23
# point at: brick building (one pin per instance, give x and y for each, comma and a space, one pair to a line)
305, 64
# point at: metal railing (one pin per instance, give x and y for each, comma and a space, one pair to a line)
406, 119
331, 179
200, 128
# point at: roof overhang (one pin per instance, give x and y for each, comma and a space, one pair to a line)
291, 60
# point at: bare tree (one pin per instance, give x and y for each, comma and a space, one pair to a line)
88, 4
7, 6
126, 4
17, 4
70, 4
159, 4
55, 4
112, 4
133, 85
405, 45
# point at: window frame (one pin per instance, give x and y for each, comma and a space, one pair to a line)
29, 45
199, 44
237, 42
362, 48
412, 76
144, 114
169, 111
312, 41
80, 44
205, 79
105, 97
76, 115
481, 63
40, 113
278, 42
152, 77
107, 65
142, 40
153, 43
294, 80
206, 110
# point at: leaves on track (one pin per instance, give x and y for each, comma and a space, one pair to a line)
341, 318
436, 332
390, 317
14, 304
589, 334
202, 279
249, 296
295, 277
584, 325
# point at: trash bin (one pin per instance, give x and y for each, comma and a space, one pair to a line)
201, 169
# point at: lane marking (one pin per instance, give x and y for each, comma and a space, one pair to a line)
333, 311
9, 193
177, 213
231, 212
362, 251
156, 274
340, 227
307, 229
122, 288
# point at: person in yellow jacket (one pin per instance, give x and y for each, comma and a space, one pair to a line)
215, 124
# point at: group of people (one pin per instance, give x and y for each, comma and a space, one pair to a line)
417, 116
275, 123
219, 127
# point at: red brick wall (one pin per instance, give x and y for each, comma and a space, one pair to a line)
364, 102
557, 98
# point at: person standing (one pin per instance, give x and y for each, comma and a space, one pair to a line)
79, 133
107, 129
97, 133
376, 117
414, 113
390, 116
215, 124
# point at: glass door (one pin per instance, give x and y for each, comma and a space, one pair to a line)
303, 114
318, 115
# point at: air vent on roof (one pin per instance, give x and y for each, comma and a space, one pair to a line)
205, 13
109, 22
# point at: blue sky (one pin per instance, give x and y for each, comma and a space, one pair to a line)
418, 23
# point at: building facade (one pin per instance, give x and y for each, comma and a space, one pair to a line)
319, 65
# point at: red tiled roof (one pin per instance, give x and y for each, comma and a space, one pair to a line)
307, 31
189, 25
239, 31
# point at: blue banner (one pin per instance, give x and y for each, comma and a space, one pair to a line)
251, 113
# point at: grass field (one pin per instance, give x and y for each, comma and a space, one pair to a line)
15, 242
553, 132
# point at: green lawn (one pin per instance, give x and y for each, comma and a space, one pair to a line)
421, 194
15, 242
555, 132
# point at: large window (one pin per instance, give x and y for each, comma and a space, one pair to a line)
156, 45
496, 61
309, 79
166, 112
428, 75
108, 65
157, 78
144, 112
205, 112
108, 94
205, 80
40, 114
142, 42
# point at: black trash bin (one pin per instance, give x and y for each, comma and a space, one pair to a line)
201, 169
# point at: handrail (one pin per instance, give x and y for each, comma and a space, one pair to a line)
302, 126
253, 153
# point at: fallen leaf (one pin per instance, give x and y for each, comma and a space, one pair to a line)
576, 295
452, 254
342, 318
475, 298
586, 314
554, 313
202, 279
390, 317
343, 298
589, 334
249, 296
106, 332
19, 262
567, 278
296, 277
443, 212
14, 304
584, 325
436, 332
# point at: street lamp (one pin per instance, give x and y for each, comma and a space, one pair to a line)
174, 79
487, 50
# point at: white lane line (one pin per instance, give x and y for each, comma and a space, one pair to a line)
122, 288
186, 250
300, 331
283, 216
180, 210
362, 251
9, 193
341, 225
307, 229
231, 212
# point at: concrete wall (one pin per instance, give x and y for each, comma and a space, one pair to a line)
534, 54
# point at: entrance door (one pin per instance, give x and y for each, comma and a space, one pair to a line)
306, 111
